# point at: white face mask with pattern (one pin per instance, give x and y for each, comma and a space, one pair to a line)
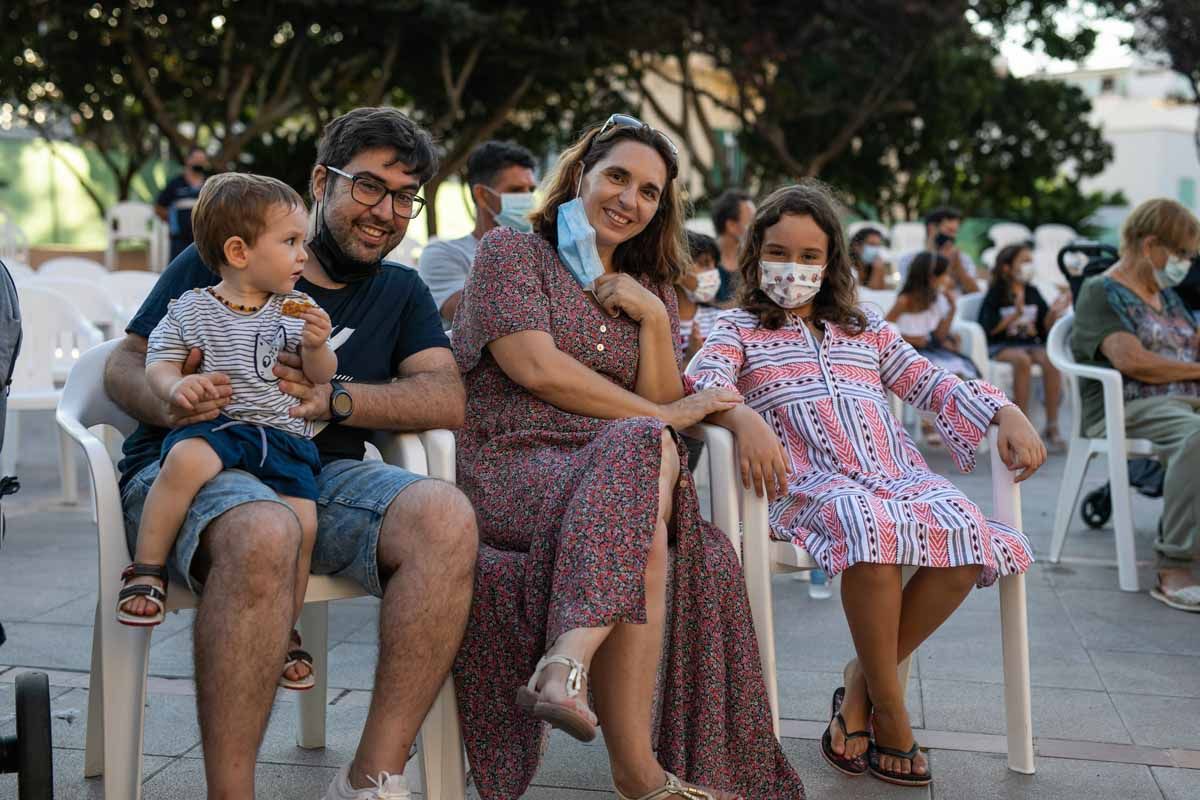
708, 283
789, 284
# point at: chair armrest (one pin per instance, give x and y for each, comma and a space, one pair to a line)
723, 479
1006, 494
974, 341
426, 453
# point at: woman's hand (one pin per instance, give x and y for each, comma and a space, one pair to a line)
617, 292
1020, 446
689, 410
764, 461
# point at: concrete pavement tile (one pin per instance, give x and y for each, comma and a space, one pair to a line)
69, 783
48, 646
346, 619
25, 604
1177, 784
1057, 713
343, 726
555, 793
352, 666
1149, 673
982, 776
8, 705
575, 765
171, 653
822, 781
183, 779
170, 727
1172, 722
1068, 575
1108, 620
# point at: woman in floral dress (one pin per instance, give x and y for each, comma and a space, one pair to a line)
566, 337
846, 483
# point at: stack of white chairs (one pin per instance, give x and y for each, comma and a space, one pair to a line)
907, 236
129, 288
1003, 234
19, 270
742, 515
134, 222
121, 654
1081, 449
53, 333
73, 267
89, 297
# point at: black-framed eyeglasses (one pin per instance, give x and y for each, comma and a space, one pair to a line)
617, 121
369, 191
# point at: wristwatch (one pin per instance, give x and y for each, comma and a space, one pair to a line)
341, 404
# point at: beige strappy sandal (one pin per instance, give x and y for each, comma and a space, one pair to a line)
564, 717
674, 788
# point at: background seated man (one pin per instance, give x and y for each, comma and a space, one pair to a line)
501, 178
941, 234
1130, 319
408, 540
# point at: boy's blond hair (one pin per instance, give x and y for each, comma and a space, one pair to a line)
1167, 221
236, 204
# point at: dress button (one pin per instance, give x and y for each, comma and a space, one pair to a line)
600, 347
604, 329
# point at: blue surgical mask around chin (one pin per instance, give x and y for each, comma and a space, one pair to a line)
577, 243
1173, 272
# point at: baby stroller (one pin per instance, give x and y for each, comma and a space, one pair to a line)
28, 753
1079, 260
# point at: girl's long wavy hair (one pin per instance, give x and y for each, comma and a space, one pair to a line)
659, 252
837, 299
923, 271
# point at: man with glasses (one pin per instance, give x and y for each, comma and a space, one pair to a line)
409, 541
500, 175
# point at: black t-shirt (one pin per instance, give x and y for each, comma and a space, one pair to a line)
178, 220
997, 304
377, 323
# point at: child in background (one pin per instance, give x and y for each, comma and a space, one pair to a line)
867, 254
250, 230
695, 290
843, 478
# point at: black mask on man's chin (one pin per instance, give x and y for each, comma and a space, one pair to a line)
338, 265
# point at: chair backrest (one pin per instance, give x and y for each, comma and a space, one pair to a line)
14, 244
72, 267
53, 332
968, 307
131, 221
988, 256
908, 236
129, 288
90, 297
1006, 233
84, 398
1058, 348
1053, 237
19, 270
877, 300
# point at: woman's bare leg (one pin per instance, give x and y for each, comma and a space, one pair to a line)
1021, 365
1052, 382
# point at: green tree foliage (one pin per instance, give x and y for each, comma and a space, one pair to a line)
1169, 30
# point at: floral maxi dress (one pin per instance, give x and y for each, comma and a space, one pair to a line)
860, 490
567, 506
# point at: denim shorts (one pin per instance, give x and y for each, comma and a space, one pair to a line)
352, 499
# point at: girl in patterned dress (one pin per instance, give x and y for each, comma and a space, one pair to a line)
845, 482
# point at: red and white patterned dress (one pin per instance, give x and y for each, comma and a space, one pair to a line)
860, 490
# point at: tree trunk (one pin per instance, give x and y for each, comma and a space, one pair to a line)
431, 192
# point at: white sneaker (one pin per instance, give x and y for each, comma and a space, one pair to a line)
385, 787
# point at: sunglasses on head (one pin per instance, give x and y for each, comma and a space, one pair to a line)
619, 121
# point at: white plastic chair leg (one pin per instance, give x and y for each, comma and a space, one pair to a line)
12, 443
311, 705
126, 658
1068, 496
1122, 519
1018, 713
93, 755
443, 771
66, 468
756, 564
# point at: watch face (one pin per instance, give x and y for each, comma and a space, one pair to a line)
342, 404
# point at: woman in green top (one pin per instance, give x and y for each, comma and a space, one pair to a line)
1130, 319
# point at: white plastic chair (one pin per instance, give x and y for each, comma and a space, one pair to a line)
1114, 446
19, 270
120, 653
908, 236
14, 244
133, 221
997, 373
1003, 234
129, 288
90, 297
742, 515
855, 227
51, 330
75, 267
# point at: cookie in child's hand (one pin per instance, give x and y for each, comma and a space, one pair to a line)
296, 308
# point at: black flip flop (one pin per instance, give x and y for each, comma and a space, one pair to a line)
896, 778
853, 767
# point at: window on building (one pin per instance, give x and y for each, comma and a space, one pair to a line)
1187, 192
730, 155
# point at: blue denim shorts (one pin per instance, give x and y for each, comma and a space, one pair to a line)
352, 499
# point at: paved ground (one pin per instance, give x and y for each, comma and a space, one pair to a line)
1116, 676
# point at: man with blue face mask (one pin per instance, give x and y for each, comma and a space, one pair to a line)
501, 178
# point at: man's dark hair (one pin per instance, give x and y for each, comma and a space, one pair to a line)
727, 207
940, 215
699, 244
492, 157
369, 128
